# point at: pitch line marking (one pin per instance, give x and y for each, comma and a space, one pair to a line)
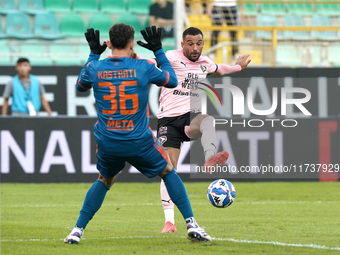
157, 204
313, 246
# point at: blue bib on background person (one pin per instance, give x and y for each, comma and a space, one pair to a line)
21, 95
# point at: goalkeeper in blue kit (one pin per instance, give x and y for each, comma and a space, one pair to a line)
121, 86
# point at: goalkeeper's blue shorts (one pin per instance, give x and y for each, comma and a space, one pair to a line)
146, 154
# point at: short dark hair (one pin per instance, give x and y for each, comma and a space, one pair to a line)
192, 31
22, 60
120, 35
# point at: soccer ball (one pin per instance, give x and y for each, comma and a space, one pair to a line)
221, 193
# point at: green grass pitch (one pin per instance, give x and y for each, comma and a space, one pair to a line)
266, 218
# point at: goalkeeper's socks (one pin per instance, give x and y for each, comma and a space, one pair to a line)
93, 201
178, 193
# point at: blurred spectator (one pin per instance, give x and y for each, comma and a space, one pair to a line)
27, 92
225, 11
161, 15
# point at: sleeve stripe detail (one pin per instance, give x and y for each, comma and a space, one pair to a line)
167, 79
216, 68
82, 85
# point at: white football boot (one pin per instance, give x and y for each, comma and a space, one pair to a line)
198, 234
75, 236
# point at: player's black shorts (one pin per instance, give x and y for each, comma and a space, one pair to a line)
170, 130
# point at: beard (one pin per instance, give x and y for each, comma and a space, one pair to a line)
193, 56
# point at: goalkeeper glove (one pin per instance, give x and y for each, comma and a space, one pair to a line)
92, 37
152, 37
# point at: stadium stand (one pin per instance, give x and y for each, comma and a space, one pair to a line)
288, 55
133, 21
88, 6
36, 53
295, 21
7, 6
147, 22
315, 55
5, 58
46, 26
318, 21
139, 6
64, 54
2, 34
273, 8
333, 53
168, 43
67, 20
83, 51
250, 9
200, 21
18, 26
143, 52
60, 6
102, 23
327, 9
265, 21
300, 8
114, 7
31, 6
72, 25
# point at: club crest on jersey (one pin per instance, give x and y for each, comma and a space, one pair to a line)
163, 139
203, 68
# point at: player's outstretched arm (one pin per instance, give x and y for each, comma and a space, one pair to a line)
241, 63
93, 39
165, 77
163, 62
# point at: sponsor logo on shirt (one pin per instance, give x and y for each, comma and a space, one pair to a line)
191, 82
120, 125
185, 65
185, 93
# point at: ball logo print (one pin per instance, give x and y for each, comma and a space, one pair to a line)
221, 193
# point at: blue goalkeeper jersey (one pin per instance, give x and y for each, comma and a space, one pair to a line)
121, 87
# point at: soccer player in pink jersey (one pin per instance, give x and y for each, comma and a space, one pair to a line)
179, 116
